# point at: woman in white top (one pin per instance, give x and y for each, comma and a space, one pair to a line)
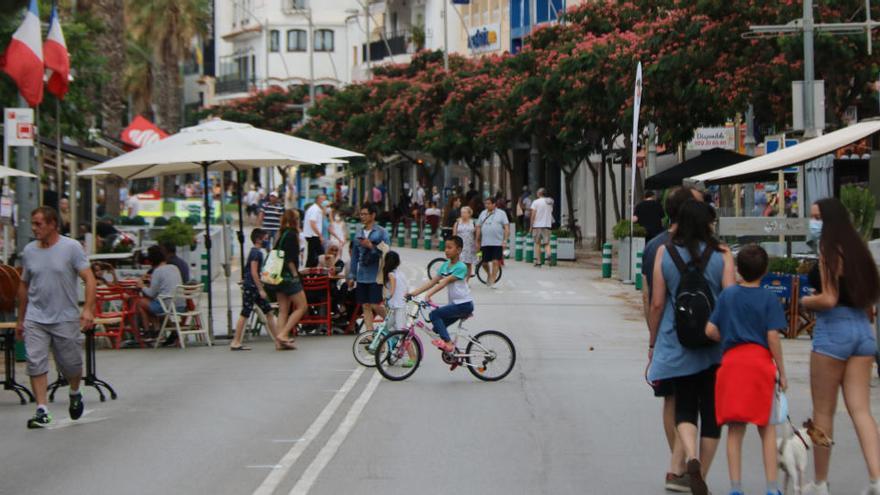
466, 229
338, 229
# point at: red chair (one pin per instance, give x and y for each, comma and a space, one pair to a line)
113, 310
318, 308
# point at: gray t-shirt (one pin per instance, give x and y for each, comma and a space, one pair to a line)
492, 227
164, 282
51, 276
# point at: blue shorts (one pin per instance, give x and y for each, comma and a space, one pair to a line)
367, 293
843, 332
156, 308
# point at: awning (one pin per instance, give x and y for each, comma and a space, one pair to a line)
705, 162
795, 155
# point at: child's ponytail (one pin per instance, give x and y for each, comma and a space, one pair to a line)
392, 261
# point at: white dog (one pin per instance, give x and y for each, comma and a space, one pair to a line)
792, 447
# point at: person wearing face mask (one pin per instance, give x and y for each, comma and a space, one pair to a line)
847, 286
337, 229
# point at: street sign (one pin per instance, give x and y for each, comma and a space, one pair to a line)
707, 138
18, 127
762, 226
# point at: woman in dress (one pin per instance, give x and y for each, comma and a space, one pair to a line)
847, 287
289, 293
466, 229
337, 228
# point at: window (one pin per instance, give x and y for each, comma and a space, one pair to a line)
324, 40
274, 40
297, 4
296, 40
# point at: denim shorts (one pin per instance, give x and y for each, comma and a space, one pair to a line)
287, 287
843, 332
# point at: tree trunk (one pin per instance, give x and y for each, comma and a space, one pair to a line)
594, 172
568, 181
613, 189
167, 100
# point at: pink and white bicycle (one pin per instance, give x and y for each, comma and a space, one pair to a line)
489, 355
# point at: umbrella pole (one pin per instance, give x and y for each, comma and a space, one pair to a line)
241, 225
94, 215
226, 268
207, 191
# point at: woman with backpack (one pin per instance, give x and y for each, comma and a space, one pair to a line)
847, 287
689, 273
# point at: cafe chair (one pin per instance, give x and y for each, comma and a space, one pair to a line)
187, 322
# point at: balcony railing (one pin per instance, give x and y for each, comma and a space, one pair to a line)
397, 45
234, 83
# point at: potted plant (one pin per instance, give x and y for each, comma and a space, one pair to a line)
626, 262
862, 207
180, 234
564, 244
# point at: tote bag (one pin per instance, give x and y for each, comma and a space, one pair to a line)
274, 265
779, 413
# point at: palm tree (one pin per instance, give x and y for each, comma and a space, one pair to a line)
168, 27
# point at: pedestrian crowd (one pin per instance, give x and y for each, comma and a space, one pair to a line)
715, 354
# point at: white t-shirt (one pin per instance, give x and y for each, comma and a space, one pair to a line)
396, 300
420, 196
432, 212
542, 210
252, 197
313, 214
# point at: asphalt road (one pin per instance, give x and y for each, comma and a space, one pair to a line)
575, 415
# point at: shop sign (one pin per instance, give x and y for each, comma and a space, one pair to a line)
485, 38
18, 127
762, 226
706, 138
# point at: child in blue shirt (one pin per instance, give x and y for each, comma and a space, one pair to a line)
253, 292
747, 320
452, 275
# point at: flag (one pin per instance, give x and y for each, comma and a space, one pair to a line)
57, 58
23, 59
142, 132
637, 105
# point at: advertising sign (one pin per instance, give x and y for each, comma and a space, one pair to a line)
18, 126
485, 38
706, 138
142, 132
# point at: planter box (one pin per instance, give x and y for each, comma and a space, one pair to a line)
565, 248
626, 261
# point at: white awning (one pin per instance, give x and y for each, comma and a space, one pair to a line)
795, 155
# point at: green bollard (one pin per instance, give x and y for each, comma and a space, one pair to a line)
606, 260
401, 235
441, 245
206, 275
519, 246
20, 352
552, 249
414, 236
427, 236
530, 249
639, 255
351, 232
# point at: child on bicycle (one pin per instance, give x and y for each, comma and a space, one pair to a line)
452, 275
396, 286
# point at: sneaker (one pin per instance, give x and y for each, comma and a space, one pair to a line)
680, 483
76, 406
873, 489
816, 488
41, 419
409, 363
698, 484
443, 345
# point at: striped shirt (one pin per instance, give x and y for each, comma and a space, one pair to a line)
272, 216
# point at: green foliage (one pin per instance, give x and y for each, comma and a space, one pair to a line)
621, 230
562, 232
161, 222
193, 220
783, 265
862, 207
177, 233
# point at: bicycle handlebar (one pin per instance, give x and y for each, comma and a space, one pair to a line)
422, 303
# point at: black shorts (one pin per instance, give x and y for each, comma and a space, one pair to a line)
663, 388
492, 253
286, 287
365, 293
250, 296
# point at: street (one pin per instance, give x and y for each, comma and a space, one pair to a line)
575, 415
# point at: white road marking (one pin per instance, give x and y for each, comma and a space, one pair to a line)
326, 454
65, 423
286, 440
265, 466
277, 475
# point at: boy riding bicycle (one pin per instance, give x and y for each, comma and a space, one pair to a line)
452, 274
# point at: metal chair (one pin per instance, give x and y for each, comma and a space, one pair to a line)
318, 308
186, 322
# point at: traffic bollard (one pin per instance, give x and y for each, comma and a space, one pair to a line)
401, 234
206, 274
606, 260
414, 236
519, 246
639, 270
427, 237
552, 249
352, 227
441, 245
530, 249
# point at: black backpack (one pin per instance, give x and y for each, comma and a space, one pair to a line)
694, 302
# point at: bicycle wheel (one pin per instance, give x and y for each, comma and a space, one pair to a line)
433, 266
483, 272
490, 355
394, 354
361, 349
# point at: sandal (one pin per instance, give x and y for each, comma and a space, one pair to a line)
285, 345
239, 348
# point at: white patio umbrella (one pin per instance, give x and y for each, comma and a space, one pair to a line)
6, 172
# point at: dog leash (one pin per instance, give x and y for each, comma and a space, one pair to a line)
797, 433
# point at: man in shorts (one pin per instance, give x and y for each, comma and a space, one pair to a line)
493, 231
676, 478
48, 310
370, 243
541, 222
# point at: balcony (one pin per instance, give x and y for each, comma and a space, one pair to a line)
398, 44
235, 83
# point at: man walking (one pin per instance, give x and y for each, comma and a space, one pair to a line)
48, 310
270, 215
649, 214
312, 228
493, 231
370, 245
541, 222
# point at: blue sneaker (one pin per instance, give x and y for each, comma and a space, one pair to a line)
736, 492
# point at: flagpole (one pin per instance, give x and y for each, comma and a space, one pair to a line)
38, 148
59, 160
637, 102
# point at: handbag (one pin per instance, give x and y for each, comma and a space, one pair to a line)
779, 413
273, 268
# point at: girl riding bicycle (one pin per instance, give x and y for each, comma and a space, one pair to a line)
453, 274
396, 286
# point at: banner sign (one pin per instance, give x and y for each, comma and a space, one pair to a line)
762, 226
485, 38
142, 132
18, 127
706, 138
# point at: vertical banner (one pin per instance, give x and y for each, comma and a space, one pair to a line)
637, 104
